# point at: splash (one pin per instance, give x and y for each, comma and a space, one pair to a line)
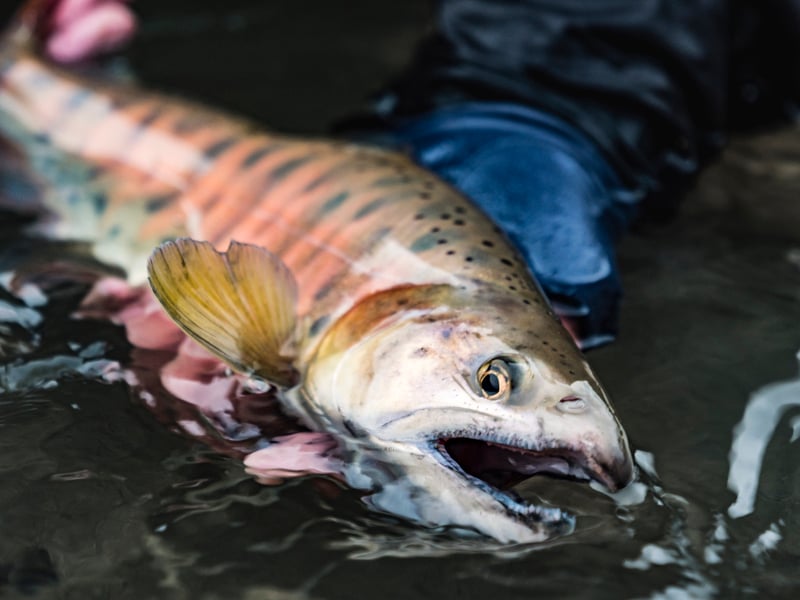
43, 374
751, 437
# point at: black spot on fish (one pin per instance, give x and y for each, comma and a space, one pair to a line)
445, 216
459, 210
100, 203
526, 301
506, 262
450, 252
257, 155
458, 222
318, 324
374, 205
150, 117
156, 204
323, 291
335, 202
219, 147
512, 288
469, 259
435, 230
441, 241
488, 243
425, 195
419, 217
289, 166
425, 242
391, 181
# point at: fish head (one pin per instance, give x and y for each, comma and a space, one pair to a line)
472, 393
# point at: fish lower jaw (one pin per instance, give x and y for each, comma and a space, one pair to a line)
556, 521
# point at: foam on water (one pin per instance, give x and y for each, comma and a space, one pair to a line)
751, 437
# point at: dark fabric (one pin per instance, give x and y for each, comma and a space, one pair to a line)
655, 83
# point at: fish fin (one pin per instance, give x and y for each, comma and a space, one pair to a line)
239, 304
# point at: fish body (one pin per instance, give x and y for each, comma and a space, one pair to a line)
388, 309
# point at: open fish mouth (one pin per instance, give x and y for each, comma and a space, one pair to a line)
495, 468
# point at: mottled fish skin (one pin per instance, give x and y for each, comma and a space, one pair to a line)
348, 220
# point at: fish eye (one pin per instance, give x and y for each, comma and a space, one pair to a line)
494, 379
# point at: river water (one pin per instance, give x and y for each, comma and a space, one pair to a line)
101, 497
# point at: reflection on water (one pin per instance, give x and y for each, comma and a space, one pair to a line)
751, 437
106, 497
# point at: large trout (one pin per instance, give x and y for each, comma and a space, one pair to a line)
382, 304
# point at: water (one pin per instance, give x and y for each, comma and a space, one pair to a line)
103, 497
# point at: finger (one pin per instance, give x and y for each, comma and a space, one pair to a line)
105, 28
69, 11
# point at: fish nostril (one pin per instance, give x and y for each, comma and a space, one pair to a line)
571, 404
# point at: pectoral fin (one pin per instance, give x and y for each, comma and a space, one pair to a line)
239, 304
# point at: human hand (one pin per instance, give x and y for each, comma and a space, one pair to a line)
78, 30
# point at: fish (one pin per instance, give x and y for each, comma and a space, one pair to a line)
382, 305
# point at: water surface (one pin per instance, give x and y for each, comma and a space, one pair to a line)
101, 497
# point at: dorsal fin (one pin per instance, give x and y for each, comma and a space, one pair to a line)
239, 304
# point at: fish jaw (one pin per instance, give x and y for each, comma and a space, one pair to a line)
408, 386
417, 483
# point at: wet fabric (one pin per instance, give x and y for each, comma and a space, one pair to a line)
563, 118
656, 84
550, 190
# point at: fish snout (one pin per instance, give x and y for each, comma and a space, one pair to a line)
608, 456
618, 473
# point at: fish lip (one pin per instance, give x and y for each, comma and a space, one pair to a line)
560, 521
581, 467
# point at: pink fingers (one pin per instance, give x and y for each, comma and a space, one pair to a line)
85, 28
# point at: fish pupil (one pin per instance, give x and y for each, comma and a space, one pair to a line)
490, 384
